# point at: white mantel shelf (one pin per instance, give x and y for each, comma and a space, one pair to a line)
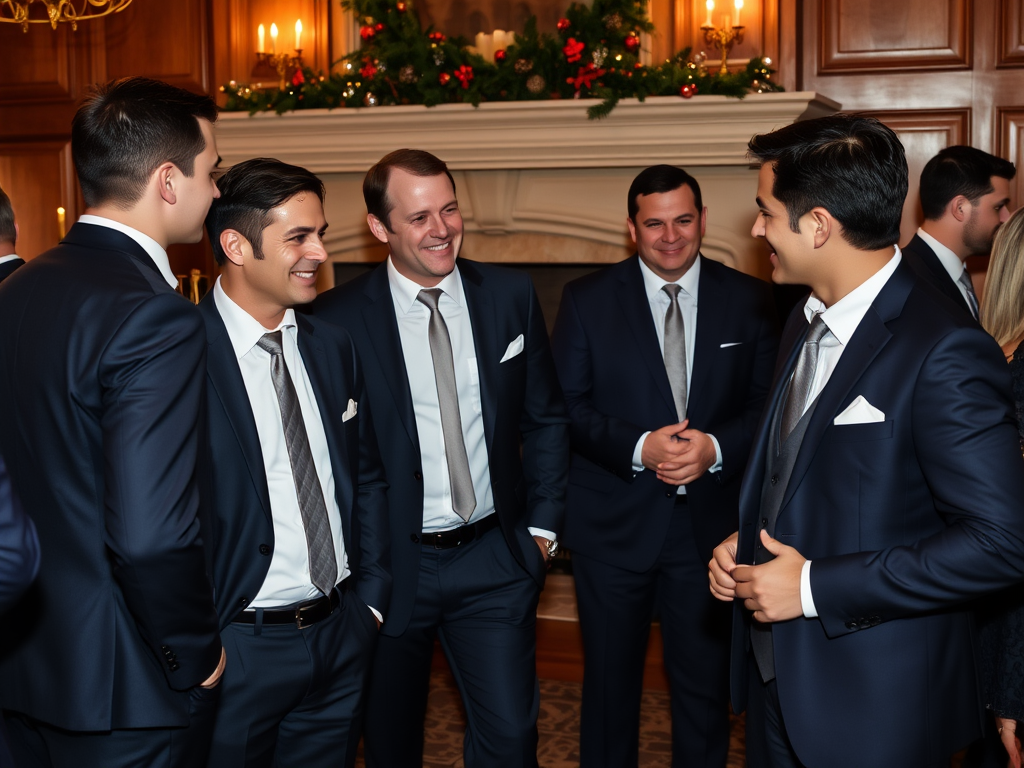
702, 131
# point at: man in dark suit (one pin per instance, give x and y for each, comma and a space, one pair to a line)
656, 464
884, 488
295, 487
965, 196
474, 436
112, 657
9, 259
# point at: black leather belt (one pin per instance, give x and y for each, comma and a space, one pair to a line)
456, 537
303, 615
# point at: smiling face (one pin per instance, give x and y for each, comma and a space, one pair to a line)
426, 226
991, 211
791, 252
667, 231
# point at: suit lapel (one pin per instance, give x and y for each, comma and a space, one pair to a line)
712, 317
941, 279
483, 317
636, 310
227, 384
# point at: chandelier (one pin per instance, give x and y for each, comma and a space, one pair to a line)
58, 11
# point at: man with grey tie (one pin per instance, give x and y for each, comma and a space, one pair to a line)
474, 437
293, 487
965, 196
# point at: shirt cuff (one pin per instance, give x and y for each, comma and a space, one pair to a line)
806, 598
376, 613
717, 466
638, 462
549, 535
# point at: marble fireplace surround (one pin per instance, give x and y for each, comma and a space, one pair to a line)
538, 183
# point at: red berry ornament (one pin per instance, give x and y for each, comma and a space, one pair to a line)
632, 42
563, 24
500, 56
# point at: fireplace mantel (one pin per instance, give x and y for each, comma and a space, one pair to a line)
702, 131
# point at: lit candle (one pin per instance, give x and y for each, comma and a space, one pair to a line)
273, 39
710, 7
484, 45
739, 7
728, 22
298, 31
261, 39
499, 41
60, 222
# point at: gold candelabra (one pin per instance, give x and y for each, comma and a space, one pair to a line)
723, 38
281, 64
58, 11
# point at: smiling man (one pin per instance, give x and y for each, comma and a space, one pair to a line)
294, 484
665, 360
474, 436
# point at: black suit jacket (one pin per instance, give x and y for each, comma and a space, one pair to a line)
8, 267
613, 375
905, 520
525, 425
235, 494
922, 259
106, 362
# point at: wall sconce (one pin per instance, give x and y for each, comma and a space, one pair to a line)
724, 37
270, 65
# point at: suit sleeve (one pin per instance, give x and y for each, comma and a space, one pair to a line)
966, 445
19, 545
604, 439
544, 427
153, 373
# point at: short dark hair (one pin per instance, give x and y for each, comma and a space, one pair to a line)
375, 185
8, 234
125, 129
959, 170
854, 167
248, 192
659, 179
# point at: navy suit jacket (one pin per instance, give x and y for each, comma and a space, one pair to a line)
8, 267
905, 521
106, 363
525, 425
613, 375
19, 544
234, 489
922, 259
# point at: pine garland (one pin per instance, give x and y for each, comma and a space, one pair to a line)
595, 54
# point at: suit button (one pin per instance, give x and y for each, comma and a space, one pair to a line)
264, 549
764, 522
243, 602
775, 479
851, 625
417, 475
669, 494
174, 666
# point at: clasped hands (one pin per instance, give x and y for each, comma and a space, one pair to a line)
678, 455
771, 591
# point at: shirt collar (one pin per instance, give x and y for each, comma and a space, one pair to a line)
949, 260
688, 282
147, 243
404, 291
9, 257
243, 329
843, 317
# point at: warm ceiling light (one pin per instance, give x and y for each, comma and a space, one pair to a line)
58, 11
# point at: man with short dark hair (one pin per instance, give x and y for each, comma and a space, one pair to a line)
294, 484
965, 196
113, 657
474, 437
9, 259
884, 487
665, 360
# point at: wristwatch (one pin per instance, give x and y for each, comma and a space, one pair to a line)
552, 548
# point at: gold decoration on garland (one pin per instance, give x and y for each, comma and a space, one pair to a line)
595, 54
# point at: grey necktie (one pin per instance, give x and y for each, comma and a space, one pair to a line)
463, 495
675, 349
972, 297
803, 375
323, 561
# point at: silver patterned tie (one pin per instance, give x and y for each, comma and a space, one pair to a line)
972, 297
675, 349
803, 375
323, 560
463, 495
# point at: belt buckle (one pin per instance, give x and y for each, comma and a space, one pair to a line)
301, 622
437, 539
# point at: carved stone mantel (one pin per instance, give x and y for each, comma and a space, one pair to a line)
540, 175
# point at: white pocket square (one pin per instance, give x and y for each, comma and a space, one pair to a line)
730, 344
513, 349
353, 406
860, 411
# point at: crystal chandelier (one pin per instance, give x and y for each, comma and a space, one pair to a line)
58, 11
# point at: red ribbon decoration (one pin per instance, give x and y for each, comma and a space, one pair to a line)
368, 69
573, 50
465, 74
585, 77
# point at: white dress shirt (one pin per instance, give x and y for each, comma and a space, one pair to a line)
148, 244
413, 329
660, 302
949, 261
288, 580
842, 319
12, 257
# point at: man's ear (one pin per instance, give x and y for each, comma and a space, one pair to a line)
632, 228
960, 208
377, 227
235, 246
822, 225
166, 176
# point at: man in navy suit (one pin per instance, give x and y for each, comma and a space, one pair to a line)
9, 259
884, 488
474, 437
965, 196
656, 464
295, 488
112, 657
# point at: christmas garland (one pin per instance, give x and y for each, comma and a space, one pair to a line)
595, 54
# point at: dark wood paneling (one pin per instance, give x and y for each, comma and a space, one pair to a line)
1011, 48
880, 35
1010, 144
38, 179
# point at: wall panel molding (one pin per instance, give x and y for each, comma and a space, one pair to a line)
1011, 43
1010, 145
